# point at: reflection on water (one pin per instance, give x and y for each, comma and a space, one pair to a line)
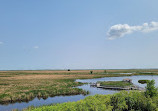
37, 102
92, 90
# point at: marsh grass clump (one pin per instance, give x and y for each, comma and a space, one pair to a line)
115, 83
143, 81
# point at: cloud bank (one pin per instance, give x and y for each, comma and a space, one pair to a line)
120, 30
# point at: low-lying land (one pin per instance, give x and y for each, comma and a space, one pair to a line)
16, 86
115, 83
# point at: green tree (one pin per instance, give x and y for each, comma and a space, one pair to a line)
151, 90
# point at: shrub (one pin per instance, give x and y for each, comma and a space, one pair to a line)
91, 72
151, 90
122, 101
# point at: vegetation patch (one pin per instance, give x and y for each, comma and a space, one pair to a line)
122, 101
143, 81
115, 83
4, 84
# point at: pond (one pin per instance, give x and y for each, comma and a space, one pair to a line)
92, 90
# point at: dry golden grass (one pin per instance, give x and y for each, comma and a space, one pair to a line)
42, 76
51, 72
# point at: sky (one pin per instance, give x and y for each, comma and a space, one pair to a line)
78, 34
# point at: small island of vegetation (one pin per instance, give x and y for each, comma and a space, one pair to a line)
125, 84
143, 81
115, 83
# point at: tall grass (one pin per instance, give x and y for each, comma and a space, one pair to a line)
58, 87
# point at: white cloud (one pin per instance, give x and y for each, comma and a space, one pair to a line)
120, 30
1, 43
36, 47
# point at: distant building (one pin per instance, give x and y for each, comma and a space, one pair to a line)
127, 80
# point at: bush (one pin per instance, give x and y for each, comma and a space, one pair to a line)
132, 101
151, 90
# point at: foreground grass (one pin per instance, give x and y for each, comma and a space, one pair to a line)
122, 101
115, 83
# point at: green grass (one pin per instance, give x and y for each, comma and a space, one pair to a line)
115, 83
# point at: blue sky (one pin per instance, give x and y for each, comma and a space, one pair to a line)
63, 34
